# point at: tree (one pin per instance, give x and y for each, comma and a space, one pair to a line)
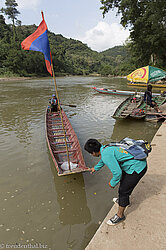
11, 12
4, 29
146, 20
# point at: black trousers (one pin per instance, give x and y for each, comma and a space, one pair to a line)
127, 184
54, 108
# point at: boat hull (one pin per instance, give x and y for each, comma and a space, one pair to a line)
113, 92
125, 109
136, 108
119, 92
57, 147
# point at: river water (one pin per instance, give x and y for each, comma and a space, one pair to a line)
38, 208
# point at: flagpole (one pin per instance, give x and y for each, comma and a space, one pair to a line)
43, 46
59, 107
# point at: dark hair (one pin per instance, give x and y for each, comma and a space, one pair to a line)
149, 87
92, 145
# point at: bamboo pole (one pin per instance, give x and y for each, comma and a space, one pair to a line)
59, 107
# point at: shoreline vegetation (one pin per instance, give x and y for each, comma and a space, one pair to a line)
6, 79
69, 56
20, 78
73, 57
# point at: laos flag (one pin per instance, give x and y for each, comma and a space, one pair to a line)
38, 41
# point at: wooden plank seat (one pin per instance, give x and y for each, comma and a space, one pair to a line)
62, 143
155, 113
64, 151
50, 125
56, 123
56, 129
51, 122
52, 115
60, 135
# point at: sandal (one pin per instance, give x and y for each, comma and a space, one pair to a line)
115, 220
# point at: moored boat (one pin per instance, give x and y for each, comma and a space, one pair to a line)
135, 107
155, 117
63, 144
125, 109
113, 91
61, 138
119, 92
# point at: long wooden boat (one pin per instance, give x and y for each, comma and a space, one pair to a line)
135, 107
155, 117
119, 92
57, 146
126, 108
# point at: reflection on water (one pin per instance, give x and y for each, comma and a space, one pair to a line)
19, 105
37, 206
71, 197
134, 129
74, 214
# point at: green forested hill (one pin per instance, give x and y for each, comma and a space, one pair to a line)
69, 56
117, 50
116, 60
146, 46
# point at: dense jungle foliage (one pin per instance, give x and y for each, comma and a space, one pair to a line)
146, 20
147, 23
69, 56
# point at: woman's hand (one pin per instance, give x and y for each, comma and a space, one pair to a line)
92, 170
110, 185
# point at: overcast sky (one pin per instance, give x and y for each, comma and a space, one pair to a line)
77, 19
